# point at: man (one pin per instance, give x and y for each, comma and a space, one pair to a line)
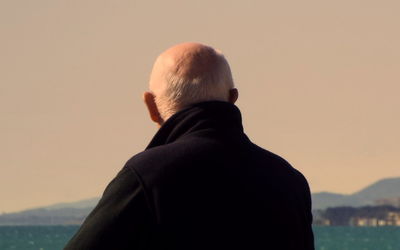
201, 183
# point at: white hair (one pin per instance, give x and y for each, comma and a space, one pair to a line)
182, 90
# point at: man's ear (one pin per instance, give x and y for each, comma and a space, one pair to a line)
233, 95
149, 100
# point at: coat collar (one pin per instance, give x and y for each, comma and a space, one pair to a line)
214, 115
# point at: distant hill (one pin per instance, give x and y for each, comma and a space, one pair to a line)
77, 204
76, 212
58, 214
378, 191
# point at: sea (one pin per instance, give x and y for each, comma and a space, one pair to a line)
326, 238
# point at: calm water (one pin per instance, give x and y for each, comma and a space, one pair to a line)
326, 238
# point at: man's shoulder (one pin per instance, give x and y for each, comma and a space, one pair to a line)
278, 163
159, 160
162, 154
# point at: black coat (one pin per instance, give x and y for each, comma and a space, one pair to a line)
202, 184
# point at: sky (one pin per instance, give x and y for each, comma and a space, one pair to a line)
319, 85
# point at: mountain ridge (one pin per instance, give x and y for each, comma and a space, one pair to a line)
381, 189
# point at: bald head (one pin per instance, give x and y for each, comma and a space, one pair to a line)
189, 73
188, 60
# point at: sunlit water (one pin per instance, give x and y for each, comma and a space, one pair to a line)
326, 238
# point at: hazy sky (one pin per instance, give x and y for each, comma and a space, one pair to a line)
319, 84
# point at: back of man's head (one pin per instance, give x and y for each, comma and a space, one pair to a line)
189, 73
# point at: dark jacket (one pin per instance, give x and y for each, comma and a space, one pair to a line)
202, 184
